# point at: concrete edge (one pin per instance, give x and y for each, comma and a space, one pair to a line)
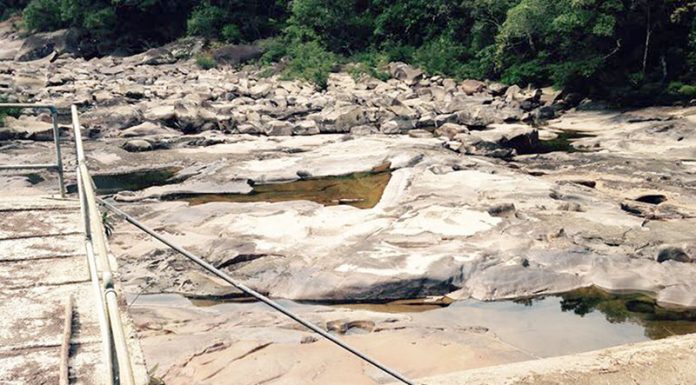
668, 361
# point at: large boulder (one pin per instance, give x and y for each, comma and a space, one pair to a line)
260, 90
107, 119
341, 119
402, 111
188, 118
531, 96
405, 72
521, 137
186, 47
28, 128
305, 127
364, 130
497, 89
154, 56
471, 86
500, 140
278, 128
40, 45
146, 129
477, 116
396, 126
237, 53
450, 130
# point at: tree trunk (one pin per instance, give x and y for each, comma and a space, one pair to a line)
648, 33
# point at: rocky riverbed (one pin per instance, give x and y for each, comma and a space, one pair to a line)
417, 187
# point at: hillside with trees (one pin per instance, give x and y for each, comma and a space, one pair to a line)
628, 51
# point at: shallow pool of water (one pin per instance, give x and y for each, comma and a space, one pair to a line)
361, 190
563, 142
578, 321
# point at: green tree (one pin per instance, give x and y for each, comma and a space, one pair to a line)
342, 26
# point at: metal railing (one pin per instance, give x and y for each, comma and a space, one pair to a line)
58, 165
120, 370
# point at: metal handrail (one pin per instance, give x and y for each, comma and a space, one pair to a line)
113, 335
58, 165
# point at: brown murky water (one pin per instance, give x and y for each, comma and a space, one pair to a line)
361, 190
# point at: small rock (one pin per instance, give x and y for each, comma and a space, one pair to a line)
502, 210
420, 134
309, 340
672, 253
146, 129
450, 130
279, 128
137, 145
260, 90
363, 130
133, 91
544, 113
497, 89
570, 206
305, 127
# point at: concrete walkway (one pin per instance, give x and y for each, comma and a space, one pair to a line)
670, 361
42, 263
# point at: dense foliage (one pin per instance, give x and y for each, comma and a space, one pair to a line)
11, 7
628, 47
140, 23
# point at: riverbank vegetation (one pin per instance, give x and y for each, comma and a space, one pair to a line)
625, 50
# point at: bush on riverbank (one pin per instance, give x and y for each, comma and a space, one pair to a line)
589, 46
5, 112
205, 61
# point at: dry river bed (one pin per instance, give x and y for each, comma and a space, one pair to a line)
358, 220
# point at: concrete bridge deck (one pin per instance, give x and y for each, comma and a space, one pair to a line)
43, 263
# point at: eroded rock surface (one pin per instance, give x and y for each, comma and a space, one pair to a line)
446, 223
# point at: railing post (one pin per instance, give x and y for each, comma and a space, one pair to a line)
59, 159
